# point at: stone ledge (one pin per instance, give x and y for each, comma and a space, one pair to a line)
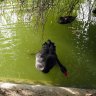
12, 89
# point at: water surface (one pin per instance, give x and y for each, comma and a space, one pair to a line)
75, 47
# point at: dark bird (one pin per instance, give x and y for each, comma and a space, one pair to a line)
47, 58
94, 11
66, 19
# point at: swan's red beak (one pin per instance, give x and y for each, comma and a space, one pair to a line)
66, 74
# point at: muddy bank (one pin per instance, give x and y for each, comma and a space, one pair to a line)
11, 89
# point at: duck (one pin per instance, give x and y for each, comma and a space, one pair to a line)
66, 19
47, 58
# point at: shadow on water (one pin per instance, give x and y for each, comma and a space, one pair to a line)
75, 43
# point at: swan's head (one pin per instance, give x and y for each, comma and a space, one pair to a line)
63, 70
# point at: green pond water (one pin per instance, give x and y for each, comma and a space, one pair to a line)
75, 47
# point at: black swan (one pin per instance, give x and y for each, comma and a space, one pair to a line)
94, 11
66, 19
47, 58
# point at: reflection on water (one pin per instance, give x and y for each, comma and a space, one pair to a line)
75, 46
85, 12
85, 18
84, 40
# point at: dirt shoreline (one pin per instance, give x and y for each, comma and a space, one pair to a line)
13, 89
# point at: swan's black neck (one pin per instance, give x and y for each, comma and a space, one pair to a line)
62, 67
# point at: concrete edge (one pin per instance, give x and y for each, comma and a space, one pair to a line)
51, 90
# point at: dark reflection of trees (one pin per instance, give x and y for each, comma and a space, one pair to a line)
41, 8
37, 11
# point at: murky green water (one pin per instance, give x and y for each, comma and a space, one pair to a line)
75, 44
